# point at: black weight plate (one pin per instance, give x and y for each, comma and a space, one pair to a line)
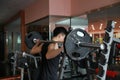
29, 39
73, 51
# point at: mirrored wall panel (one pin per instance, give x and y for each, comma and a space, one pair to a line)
41, 26
13, 36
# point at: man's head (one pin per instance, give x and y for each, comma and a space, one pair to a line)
60, 33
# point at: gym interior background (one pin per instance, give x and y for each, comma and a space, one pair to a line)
18, 18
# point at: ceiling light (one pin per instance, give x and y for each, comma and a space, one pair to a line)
91, 35
93, 28
100, 26
115, 22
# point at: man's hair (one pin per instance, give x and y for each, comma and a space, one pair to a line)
59, 30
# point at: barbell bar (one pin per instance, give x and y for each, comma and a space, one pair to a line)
46, 41
79, 44
91, 45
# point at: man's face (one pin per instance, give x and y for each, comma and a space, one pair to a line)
62, 37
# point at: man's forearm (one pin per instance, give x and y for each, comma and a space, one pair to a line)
36, 49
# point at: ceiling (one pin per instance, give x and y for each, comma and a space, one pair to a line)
82, 20
112, 11
9, 8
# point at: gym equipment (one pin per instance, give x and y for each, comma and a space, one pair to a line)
61, 67
32, 37
21, 60
78, 44
104, 56
23, 63
13, 60
11, 57
112, 72
72, 47
118, 46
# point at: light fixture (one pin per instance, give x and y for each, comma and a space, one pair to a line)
93, 28
115, 22
90, 35
100, 26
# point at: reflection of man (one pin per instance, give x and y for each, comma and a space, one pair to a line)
50, 54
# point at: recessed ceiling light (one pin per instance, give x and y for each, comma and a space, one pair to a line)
100, 26
115, 22
93, 28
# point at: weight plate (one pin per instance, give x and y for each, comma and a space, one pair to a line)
74, 51
31, 37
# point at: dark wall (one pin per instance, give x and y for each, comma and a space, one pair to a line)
1, 44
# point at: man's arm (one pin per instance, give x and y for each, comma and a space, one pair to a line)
36, 48
53, 51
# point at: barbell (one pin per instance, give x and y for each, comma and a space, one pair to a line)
77, 44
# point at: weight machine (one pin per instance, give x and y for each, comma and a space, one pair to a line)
22, 60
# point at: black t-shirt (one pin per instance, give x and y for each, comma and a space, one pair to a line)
49, 66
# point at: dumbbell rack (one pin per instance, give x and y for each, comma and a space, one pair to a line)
104, 55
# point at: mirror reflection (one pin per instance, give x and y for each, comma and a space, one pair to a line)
13, 36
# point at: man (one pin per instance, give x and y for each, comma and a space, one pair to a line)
51, 54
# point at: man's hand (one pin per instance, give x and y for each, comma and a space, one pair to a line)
37, 47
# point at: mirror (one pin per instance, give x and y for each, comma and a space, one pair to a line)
41, 26
13, 36
69, 22
12, 44
80, 22
97, 21
56, 21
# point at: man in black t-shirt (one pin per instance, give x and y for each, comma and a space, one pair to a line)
50, 55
